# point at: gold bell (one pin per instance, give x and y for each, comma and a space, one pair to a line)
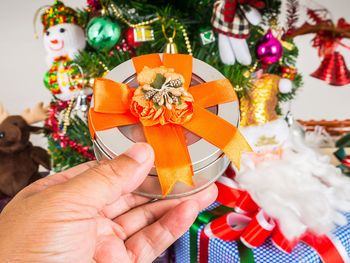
170, 47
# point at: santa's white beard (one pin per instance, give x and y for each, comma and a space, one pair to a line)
302, 190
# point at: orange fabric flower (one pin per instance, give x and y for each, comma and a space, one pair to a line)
165, 102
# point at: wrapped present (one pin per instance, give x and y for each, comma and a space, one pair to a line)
234, 251
184, 108
344, 158
236, 229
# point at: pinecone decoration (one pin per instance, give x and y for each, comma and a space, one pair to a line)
176, 83
149, 94
164, 91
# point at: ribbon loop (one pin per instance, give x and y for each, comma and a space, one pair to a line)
221, 91
282, 243
111, 97
150, 60
227, 138
245, 204
258, 230
228, 227
228, 192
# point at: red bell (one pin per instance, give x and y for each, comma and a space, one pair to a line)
333, 70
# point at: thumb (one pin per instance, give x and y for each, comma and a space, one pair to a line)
107, 181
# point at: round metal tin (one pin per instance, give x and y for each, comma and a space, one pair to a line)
208, 162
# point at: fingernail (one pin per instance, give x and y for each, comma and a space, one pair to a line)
139, 152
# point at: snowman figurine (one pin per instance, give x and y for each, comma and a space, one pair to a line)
63, 40
232, 19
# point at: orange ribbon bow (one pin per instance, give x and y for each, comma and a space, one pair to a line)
112, 108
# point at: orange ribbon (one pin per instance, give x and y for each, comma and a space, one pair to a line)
172, 160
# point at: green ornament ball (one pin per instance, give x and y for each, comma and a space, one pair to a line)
102, 33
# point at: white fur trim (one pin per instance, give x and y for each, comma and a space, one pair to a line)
285, 85
278, 128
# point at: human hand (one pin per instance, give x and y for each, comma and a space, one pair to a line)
88, 214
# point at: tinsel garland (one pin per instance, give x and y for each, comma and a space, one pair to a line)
52, 124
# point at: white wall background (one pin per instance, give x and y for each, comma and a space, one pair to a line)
22, 64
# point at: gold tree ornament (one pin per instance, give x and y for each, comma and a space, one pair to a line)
170, 47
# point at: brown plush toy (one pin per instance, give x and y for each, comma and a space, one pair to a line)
19, 159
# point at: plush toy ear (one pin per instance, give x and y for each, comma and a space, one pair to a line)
35, 130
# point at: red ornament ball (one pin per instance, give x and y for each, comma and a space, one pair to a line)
130, 40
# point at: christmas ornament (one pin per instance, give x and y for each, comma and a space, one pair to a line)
62, 34
170, 47
207, 36
258, 106
143, 34
148, 22
296, 129
333, 70
63, 39
232, 20
328, 36
81, 102
102, 33
269, 49
94, 4
130, 38
289, 73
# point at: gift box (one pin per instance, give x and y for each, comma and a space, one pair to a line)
184, 108
228, 251
235, 229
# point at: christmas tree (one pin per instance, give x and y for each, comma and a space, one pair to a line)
231, 36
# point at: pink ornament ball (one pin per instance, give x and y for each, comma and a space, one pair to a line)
269, 49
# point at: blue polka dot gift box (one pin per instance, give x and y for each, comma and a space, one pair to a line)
236, 229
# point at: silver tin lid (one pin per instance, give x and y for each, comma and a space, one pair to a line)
113, 142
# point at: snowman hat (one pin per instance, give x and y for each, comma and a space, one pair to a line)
58, 13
